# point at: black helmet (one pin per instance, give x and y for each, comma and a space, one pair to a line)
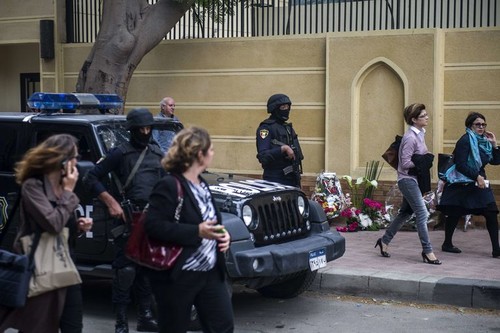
276, 100
139, 118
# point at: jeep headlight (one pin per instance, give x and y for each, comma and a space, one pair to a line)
248, 217
301, 204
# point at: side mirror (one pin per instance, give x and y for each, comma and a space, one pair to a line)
84, 166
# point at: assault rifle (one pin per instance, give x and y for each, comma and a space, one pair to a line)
125, 228
296, 167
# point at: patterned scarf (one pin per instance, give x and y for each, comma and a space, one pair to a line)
477, 142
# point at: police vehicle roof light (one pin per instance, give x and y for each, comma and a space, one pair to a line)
73, 101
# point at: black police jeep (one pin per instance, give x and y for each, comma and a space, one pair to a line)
279, 238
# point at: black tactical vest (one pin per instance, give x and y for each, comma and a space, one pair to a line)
146, 176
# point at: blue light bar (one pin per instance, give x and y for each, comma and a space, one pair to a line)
73, 101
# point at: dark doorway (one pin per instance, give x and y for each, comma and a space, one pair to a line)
30, 83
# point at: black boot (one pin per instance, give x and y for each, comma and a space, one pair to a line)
121, 325
145, 319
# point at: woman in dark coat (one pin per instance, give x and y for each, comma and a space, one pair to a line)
472, 193
48, 176
198, 275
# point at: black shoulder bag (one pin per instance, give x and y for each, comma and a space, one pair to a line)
15, 269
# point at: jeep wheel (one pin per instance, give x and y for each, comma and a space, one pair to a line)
291, 287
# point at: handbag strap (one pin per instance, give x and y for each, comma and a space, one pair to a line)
180, 200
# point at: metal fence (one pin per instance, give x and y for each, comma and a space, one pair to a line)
242, 18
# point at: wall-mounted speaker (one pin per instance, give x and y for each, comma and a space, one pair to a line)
47, 39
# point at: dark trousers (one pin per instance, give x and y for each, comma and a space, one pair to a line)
129, 277
491, 225
206, 290
72, 317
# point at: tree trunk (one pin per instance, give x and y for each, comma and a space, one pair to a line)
129, 30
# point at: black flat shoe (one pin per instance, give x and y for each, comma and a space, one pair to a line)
451, 249
496, 254
382, 252
426, 259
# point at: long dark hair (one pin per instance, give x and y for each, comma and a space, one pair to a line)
46, 157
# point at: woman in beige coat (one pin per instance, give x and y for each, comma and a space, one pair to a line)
48, 175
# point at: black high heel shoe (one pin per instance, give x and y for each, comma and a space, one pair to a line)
426, 259
382, 252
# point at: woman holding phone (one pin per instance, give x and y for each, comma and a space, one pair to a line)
473, 151
48, 176
198, 275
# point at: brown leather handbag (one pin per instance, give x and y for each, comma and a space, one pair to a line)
149, 252
391, 155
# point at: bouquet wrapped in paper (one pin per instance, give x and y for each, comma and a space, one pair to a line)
328, 193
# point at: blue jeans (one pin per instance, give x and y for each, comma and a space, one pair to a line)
412, 202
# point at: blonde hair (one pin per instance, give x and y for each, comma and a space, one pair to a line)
46, 157
185, 148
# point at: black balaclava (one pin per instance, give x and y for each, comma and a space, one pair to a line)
284, 114
281, 115
273, 106
139, 139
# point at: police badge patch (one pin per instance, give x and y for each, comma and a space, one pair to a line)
263, 133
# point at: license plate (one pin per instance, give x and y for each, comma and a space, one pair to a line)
317, 259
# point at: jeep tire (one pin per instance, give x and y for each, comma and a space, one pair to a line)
290, 287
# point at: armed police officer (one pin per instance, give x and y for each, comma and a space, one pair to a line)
135, 168
278, 148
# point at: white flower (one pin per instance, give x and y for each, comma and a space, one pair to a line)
365, 220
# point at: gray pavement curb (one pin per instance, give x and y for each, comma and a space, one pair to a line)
473, 293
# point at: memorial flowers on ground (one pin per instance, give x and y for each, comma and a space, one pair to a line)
328, 194
361, 211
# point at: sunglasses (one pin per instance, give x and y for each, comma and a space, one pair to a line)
480, 125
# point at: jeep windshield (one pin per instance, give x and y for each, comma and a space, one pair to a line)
113, 134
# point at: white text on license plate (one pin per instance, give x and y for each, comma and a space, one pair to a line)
317, 259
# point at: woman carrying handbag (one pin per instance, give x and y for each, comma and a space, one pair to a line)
48, 175
414, 164
198, 275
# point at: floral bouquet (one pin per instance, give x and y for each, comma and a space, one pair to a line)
328, 194
373, 216
362, 212
351, 214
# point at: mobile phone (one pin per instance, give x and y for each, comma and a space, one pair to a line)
221, 231
64, 163
486, 183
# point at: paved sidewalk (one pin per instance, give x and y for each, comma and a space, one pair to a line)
468, 279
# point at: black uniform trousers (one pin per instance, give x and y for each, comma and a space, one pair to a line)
206, 290
129, 277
